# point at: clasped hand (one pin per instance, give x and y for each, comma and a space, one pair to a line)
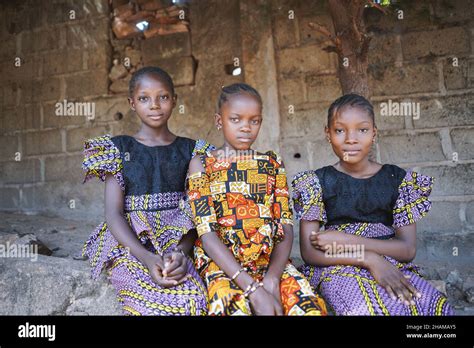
324, 239
387, 275
266, 300
168, 270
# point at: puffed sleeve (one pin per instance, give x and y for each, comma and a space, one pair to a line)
413, 199
201, 203
101, 157
282, 206
308, 197
202, 147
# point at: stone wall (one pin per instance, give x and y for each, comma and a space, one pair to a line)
411, 60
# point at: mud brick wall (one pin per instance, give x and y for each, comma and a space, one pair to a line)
411, 60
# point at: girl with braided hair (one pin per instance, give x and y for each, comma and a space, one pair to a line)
147, 237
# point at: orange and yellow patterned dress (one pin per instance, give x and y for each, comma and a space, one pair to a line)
246, 201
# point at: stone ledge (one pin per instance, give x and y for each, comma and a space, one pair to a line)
53, 286
59, 285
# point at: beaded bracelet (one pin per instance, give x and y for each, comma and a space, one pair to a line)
248, 288
252, 288
236, 274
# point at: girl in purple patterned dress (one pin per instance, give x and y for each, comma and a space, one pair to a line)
145, 241
361, 262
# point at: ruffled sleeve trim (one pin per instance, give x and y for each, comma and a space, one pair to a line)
102, 157
413, 199
308, 197
202, 147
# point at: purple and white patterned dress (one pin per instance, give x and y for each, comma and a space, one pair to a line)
370, 208
153, 181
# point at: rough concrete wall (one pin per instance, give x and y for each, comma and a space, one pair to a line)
307, 83
258, 51
215, 42
59, 59
71, 59
410, 61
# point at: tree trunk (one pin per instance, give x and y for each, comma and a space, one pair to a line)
352, 44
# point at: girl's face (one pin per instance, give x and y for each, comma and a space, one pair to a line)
240, 119
351, 134
153, 101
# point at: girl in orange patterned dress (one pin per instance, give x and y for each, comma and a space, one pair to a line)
240, 204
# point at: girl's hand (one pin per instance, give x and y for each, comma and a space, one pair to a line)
175, 266
391, 279
272, 286
264, 303
323, 240
155, 265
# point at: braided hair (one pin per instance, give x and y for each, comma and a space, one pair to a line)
235, 89
162, 75
352, 100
